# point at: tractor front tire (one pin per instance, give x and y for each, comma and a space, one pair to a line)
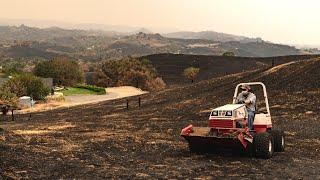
263, 145
249, 150
278, 139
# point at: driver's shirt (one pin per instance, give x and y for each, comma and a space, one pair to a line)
252, 97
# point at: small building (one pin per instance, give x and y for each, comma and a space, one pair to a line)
48, 82
89, 78
25, 102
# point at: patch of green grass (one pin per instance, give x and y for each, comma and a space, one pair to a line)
99, 90
78, 91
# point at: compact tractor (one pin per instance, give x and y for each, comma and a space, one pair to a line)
228, 128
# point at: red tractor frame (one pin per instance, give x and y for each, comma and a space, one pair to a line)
228, 129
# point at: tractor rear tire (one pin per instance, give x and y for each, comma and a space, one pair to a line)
194, 149
278, 139
263, 145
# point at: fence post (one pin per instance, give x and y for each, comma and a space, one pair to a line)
127, 103
139, 100
272, 65
12, 115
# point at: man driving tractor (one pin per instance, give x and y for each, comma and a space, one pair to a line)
249, 99
231, 126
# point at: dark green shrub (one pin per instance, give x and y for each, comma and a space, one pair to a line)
129, 71
7, 100
14, 67
27, 85
191, 73
63, 71
228, 53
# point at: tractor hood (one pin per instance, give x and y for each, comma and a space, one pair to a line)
229, 111
229, 107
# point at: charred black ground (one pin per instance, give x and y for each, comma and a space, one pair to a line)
108, 141
171, 66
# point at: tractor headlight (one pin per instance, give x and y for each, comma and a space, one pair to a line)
214, 113
228, 113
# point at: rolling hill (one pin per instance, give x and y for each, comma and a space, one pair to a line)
97, 45
211, 35
26, 33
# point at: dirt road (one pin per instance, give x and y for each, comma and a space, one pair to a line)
112, 93
74, 100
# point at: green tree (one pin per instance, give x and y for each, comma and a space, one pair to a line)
27, 85
228, 53
63, 71
13, 67
8, 100
129, 71
191, 73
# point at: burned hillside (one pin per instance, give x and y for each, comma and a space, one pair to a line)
106, 140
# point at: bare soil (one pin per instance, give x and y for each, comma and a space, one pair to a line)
106, 140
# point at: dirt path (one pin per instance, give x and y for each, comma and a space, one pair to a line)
112, 93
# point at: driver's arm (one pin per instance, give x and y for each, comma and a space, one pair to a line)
239, 98
250, 100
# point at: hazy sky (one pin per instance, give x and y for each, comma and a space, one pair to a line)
284, 21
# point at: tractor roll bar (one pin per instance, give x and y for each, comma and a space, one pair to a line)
264, 94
